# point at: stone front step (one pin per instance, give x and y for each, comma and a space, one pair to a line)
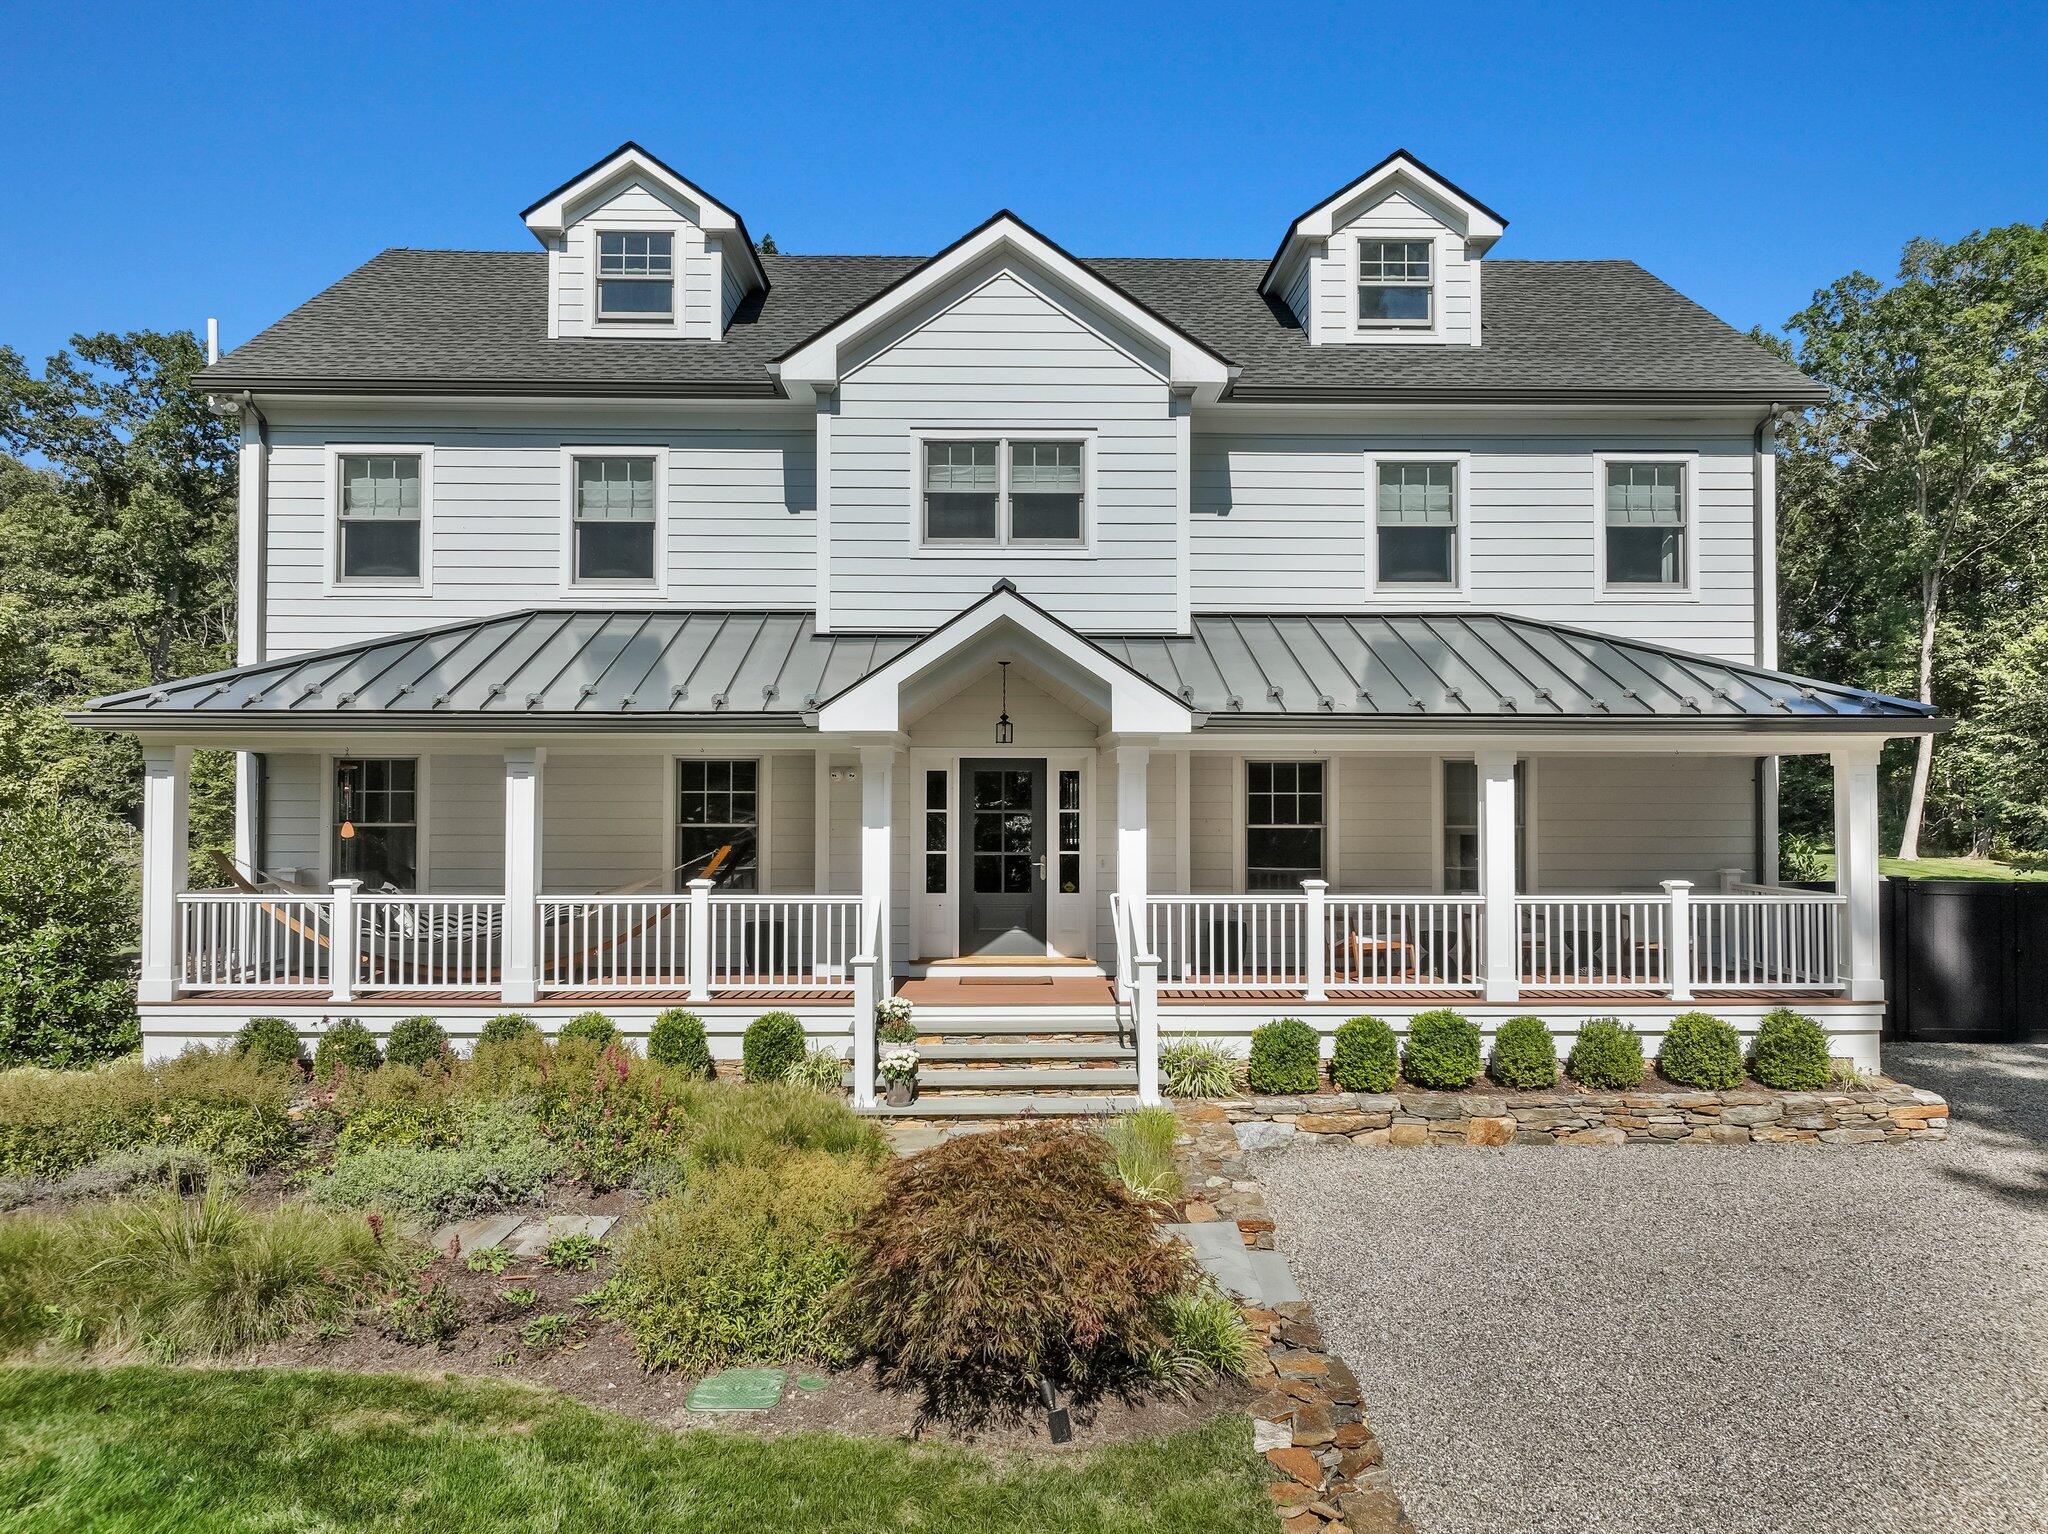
1028, 1078
1048, 1105
1006, 1050
962, 1023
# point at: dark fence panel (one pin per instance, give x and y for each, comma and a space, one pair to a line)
1965, 961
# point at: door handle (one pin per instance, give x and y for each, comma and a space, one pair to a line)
1039, 863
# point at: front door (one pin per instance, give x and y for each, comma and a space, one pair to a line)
1002, 900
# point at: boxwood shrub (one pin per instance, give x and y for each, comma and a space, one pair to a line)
1286, 1057
1790, 1052
416, 1041
1701, 1051
345, 1046
773, 1043
1608, 1056
677, 1039
1442, 1050
271, 1040
589, 1028
1364, 1057
1524, 1055
506, 1027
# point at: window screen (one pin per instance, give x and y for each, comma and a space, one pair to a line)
380, 518
1418, 523
615, 519
1646, 524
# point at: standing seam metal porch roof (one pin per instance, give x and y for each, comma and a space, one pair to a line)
721, 670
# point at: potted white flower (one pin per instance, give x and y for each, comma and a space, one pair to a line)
892, 1021
897, 1066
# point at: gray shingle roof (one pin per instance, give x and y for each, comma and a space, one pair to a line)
476, 322
558, 669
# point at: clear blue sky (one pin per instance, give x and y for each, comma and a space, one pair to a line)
167, 162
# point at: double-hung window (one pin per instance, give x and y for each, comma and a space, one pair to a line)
379, 504
1417, 516
636, 277
376, 821
1395, 285
718, 805
1644, 511
1002, 493
1283, 824
615, 519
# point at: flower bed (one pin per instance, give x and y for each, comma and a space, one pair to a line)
1882, 1113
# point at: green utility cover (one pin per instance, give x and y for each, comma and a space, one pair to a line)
736, 1390
812, 1382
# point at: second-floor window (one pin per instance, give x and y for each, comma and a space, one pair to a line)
1394, 284
615, 520
1645, 515
636, 277
1001, 492
1417, 516
380, 517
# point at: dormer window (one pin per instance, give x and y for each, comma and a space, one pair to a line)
1395, 284
636, 277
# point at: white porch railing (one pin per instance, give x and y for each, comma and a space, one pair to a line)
1767, 939
1228, 942
427, 942
254, 942
1405, 942
783, 942
1593, 942
613, 942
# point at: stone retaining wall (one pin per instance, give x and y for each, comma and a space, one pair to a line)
1308, 1419
1883, 1113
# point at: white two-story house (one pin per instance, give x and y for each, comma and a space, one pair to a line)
1084, 648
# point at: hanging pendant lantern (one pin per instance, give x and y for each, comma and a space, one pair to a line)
1006, 732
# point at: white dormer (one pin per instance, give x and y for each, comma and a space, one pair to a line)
635, 251
1393, 258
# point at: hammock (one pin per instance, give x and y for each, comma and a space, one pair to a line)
441, 933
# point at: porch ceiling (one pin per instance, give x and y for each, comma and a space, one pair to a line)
554, 670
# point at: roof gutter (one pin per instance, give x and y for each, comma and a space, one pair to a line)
1304, 394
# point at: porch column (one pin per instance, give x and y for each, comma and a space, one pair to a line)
518, 976
1856, 867
1501, 949
1133, 840
877, 807
166, 801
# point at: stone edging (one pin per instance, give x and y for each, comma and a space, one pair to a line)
1886, 1112
1307, 1420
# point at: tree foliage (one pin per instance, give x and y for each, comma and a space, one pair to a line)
1912, 508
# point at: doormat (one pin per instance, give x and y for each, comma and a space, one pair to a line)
1006, 980
736, 1390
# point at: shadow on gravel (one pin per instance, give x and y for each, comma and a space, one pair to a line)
2000, 1096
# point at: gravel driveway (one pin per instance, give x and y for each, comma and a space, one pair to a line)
1722, 1339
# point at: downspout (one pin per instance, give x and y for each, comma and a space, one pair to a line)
1765, 640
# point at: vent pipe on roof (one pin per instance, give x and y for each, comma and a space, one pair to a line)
212, 340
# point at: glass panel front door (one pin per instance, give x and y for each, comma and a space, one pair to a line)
1002, 818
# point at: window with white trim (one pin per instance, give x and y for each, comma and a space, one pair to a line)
1417, 516
1283, 824
1395, 283
1000, 492
718, 804
614, 520
376, 821
379, 504
937, 826
1461, 828
636, 277
1645, 512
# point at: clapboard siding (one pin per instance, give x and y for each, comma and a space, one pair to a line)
792, 849
1281, 518
741, 521
1386, 831
293, 834
466, 823
604, 822
1005, 356
1619, 822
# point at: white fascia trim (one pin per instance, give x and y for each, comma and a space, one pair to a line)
819, 362
874, 704
1480, 229
553, 217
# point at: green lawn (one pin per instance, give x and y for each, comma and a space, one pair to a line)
159, 1450
1943, 868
